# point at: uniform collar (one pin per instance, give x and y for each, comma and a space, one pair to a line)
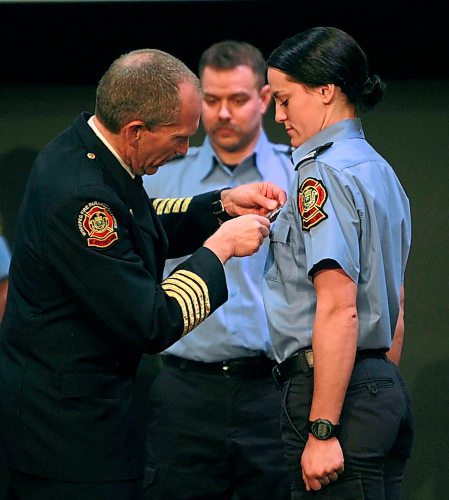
344, 129
103, 139
207, 156
97, 149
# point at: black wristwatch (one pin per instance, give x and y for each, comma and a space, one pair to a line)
218, 209
323, 429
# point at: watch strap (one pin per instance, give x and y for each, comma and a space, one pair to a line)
323, 429
217, 207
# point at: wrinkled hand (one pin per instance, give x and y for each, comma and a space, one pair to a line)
321, 462
255, 198
239, 237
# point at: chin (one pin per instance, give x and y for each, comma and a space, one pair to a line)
151, 170
295, 142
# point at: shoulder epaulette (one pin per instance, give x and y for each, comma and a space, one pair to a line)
312, 155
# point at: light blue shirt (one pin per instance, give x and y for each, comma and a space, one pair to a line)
239, 327
4, 258
357, 214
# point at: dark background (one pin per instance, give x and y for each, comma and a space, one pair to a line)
53, 54
74, 42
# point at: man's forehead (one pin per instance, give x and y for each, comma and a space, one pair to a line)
235, 80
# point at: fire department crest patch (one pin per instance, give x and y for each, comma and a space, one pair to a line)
97, 224
311, 198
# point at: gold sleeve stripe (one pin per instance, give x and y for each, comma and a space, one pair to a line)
201, 283
192, 294
171, 205
182, 304
159, 205
156, 203
190, 298
185, 204
196, 293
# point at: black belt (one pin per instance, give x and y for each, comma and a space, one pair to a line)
302, 362
247, 367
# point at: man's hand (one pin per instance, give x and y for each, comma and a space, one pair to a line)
255, 198
321, 462
239, 237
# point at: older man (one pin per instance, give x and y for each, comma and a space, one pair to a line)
86, 294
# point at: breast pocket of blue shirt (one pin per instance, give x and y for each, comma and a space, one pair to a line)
279, 258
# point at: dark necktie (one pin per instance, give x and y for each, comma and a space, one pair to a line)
138, 180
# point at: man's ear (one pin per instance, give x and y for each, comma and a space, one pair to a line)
132, 132
265, 97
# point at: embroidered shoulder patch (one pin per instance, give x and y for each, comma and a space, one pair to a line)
311, 198
97, 224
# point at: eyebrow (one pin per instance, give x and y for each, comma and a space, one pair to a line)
235, 94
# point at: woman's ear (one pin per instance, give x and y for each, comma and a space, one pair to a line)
327, 92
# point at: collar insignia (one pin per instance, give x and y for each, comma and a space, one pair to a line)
312, 155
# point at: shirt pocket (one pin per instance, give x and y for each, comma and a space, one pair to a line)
278, 251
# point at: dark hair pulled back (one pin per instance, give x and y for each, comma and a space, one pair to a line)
323, 55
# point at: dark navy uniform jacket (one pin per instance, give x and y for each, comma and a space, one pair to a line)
87, 300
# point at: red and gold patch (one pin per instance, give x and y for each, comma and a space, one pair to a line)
311, 198
97, 224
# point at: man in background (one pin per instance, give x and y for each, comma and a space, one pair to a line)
214, 425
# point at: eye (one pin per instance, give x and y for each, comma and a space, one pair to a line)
239, 99
281, 102
210, 100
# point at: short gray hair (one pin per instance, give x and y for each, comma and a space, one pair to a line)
142, 85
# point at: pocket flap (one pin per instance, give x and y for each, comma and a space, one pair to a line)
280, 231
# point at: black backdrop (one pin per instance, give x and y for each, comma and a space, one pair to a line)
74, 42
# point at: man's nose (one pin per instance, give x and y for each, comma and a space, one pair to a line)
182, 149
224, 111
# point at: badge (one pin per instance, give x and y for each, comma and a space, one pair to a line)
311, 198
97, 224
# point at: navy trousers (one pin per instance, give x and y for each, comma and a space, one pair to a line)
28, 487
215, 436
376, 432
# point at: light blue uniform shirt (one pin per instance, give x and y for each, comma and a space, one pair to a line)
4, 258
355, 213
239, 327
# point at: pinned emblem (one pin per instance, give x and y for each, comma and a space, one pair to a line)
91, 156
311, 198
97, 224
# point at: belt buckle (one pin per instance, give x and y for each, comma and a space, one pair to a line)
309, 357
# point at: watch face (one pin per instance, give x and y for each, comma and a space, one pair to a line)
321, 429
